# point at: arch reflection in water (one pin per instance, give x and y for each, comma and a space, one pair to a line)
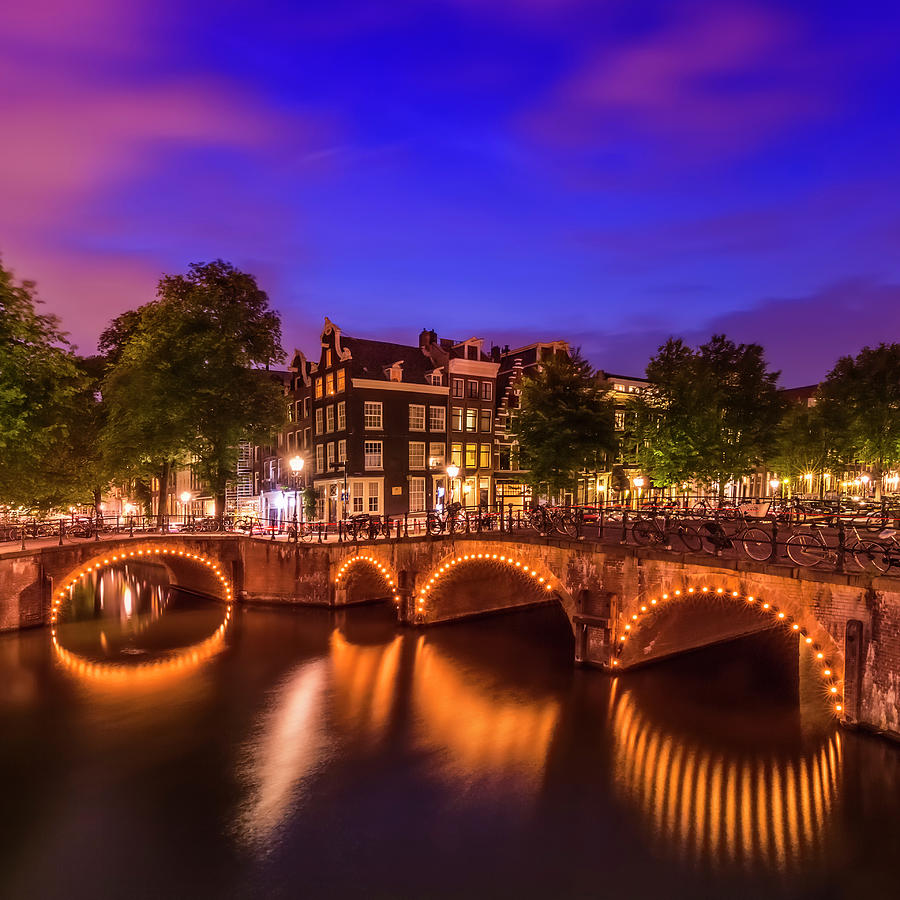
134, 598
483, 732
721, 807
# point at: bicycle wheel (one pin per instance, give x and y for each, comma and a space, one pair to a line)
690, 537
871, 556
756, 544
565, 524
805, 550
536, 520
643, 532
877, 522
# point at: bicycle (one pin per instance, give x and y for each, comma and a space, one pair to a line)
648, 531
302, 532
753, 540
880, 555
809, 549
436, 523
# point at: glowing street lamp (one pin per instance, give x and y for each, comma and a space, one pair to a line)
296, 464
452, 473
185, 500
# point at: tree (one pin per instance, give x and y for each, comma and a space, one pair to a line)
804, 442
711, 414
39, 378
564, 425
860, 399
185, 383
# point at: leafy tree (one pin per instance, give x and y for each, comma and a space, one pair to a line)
564, 425
860, 399
185, 384
805, 442
711, 414
39, 378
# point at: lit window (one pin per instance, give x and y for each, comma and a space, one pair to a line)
318, 389
327, 359
341, 380
457, 419
456, 455
372, 450
471, 456
437, 418
417, 454
416, 417
484, 460
619, 387
472, 419
372, 413
620, 420
329, 384
435, 455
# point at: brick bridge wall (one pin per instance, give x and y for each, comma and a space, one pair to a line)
854, 619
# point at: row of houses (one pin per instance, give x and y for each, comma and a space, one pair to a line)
385, 428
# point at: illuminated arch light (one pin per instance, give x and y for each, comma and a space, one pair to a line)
88, 569
833, 686
507, 561
378, 565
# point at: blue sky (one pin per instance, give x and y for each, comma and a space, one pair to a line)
607, 172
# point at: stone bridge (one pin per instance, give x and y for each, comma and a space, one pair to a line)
626, 606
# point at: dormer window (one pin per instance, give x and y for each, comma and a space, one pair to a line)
394, 372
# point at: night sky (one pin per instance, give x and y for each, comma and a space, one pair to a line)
601, 171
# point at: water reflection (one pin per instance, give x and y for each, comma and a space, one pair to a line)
113, 629
725, 807
485, 730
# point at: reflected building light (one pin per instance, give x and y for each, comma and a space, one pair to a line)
481, 734
289, 745
365, 679
725, 809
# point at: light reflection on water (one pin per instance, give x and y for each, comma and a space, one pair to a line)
474, 750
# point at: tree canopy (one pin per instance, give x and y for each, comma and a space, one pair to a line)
860, 399
710, 414
564, 424
39, 379
184, 383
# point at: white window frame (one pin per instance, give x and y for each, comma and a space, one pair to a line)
416, 416
358, 496
487, 390
371, 455
437, 418
373, 411
320, 458
437, 454
319, 422
329, 455
459, 384
417, 454
342, 451
471, 414
416, 494
341, 416
329, 418
373, 508
485, 413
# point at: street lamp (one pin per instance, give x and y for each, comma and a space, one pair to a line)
296, 464
452, 472
185, 500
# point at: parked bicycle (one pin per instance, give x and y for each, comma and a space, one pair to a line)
449, 521
810, 548
648, 530
753, 540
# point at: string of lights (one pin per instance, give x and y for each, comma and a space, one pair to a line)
371, 560
826, 669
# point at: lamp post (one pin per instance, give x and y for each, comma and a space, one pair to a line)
185, 500
343, 467
296, 464
639, 484
452, 472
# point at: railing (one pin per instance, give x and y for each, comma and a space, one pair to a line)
806, 534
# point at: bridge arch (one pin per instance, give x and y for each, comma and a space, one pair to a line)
211, 576
212, 581
634, 644
534, 574
348, 577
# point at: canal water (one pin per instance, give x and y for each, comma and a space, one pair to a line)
159, 744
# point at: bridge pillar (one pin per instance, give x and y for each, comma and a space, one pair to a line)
594, 613
406, 597
853, 669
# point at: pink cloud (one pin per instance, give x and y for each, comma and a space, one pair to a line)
718, 81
